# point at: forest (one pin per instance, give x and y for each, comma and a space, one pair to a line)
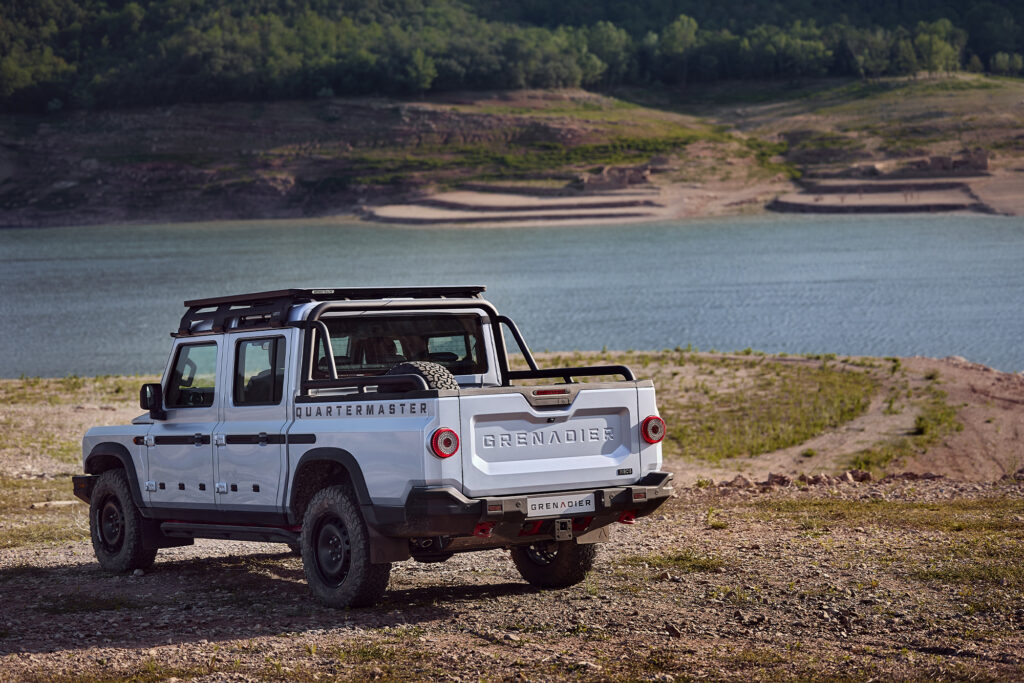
99, 54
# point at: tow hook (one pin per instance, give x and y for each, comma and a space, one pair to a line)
627, 517
483, 529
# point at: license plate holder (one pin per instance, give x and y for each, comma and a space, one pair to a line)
561, 505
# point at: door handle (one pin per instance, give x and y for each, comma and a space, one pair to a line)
219, 440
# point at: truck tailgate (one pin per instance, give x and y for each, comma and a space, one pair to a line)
510, 446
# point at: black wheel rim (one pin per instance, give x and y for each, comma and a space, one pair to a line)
333, 551
542, 553
111, 525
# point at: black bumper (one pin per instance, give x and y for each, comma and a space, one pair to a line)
444, 511
83, 485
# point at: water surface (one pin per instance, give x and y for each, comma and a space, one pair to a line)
103, 299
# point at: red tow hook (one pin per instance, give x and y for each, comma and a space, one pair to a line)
483, 529
627, 517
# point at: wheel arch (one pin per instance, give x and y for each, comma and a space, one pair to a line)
112, 455
320, 467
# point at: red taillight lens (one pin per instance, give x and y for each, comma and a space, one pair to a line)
444, 443
653, 429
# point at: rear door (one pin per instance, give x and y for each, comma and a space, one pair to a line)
249, 443
582, 438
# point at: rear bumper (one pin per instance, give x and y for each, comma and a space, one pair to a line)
444, 511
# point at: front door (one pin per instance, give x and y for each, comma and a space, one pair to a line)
180, 451
249, 443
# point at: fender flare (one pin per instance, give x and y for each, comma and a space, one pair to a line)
111, 449
343, 458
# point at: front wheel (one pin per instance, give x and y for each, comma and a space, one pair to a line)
336, 552
116, 525
555, 564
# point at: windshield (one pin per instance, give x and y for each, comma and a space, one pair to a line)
373, 344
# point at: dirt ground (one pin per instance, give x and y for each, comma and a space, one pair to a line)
912, 576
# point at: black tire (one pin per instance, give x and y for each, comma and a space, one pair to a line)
116, 525
336, 552
556, 564
436, 376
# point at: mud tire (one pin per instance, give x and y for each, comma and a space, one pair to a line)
336, 551
116, 526
556, 564
437, 376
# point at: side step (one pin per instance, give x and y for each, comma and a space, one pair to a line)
231, 532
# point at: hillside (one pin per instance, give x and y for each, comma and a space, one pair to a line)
716, 148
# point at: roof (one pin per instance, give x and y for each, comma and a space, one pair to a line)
259, 310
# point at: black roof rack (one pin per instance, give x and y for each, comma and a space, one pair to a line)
270, 309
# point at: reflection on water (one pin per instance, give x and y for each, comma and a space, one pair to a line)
94, 300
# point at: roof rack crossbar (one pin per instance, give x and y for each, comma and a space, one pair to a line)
343, 294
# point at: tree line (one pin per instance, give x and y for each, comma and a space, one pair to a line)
58, 54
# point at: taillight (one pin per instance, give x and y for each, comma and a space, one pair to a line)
653, 429
444, 443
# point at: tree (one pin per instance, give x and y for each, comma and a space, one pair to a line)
676, 45
904, 58
613, 46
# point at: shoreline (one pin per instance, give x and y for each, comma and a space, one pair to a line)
489, 208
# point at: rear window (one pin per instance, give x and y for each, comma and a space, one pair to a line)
371, 345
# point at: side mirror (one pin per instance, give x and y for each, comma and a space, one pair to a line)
151, 398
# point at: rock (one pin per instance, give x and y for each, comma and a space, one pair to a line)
818, 480
511, 637
673, 632
779, 480
1019, 474
741, 482
52, 504
138, 572
847, 478
664, 576
860, 475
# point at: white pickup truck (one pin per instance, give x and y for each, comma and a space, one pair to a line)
365, 426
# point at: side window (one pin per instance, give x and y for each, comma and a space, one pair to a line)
259, 372
194, 378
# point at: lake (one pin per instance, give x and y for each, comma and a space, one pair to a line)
103, 299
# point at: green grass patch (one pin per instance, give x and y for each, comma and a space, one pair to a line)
936, 421
786, 405
685, 561
988, 515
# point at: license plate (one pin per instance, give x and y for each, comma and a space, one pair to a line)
553, 506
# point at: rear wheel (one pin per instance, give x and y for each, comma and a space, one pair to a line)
555, 564
116, 525
336, 552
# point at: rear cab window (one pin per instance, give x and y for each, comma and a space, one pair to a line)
364, 345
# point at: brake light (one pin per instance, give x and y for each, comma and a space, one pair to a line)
653, 429
444, 443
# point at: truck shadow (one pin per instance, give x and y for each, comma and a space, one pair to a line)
211, 599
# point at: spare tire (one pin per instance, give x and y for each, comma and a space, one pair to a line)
436, 376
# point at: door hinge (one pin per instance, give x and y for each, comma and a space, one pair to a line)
219, 439
151, 486
221, 487
149, 440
